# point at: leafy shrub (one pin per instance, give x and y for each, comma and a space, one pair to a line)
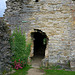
20, 49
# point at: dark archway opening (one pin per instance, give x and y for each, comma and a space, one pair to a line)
36, 0
40, 42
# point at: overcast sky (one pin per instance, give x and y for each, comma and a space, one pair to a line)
2, 7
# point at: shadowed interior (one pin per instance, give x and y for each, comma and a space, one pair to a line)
36, 0
39, 43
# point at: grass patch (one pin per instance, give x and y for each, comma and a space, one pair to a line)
58, 72
22, 71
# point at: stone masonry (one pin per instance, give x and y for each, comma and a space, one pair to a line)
54, 17
4, 48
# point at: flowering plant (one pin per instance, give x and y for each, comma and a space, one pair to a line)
18, 65
20, 49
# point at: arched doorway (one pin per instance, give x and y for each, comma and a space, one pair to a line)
40, 41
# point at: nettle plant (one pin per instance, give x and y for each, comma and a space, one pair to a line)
19, 49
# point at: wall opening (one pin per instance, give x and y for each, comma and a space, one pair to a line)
36, 0
40, 40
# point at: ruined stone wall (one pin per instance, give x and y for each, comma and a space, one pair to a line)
73, 37
73, 30
54, 17
4, 48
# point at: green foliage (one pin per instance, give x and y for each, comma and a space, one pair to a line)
18, 46
44, 40
58, 72
22, 71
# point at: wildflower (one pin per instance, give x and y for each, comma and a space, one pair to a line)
19, 59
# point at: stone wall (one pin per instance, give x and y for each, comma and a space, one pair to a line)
4, 48
54, 17
73, 38
73, 31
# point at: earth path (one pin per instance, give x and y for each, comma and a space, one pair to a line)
36, 62
35, 71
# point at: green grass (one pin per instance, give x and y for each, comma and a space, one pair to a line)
22, 71
58, 72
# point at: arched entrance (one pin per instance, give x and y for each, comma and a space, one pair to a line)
40, 41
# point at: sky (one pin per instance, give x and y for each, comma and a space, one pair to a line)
2, 7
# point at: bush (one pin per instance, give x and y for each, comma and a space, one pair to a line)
19, 48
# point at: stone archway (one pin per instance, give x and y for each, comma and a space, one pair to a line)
40, 41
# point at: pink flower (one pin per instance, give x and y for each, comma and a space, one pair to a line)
15, 61
19, 59
18, 65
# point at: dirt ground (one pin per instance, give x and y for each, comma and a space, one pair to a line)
35, 71
36, 63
